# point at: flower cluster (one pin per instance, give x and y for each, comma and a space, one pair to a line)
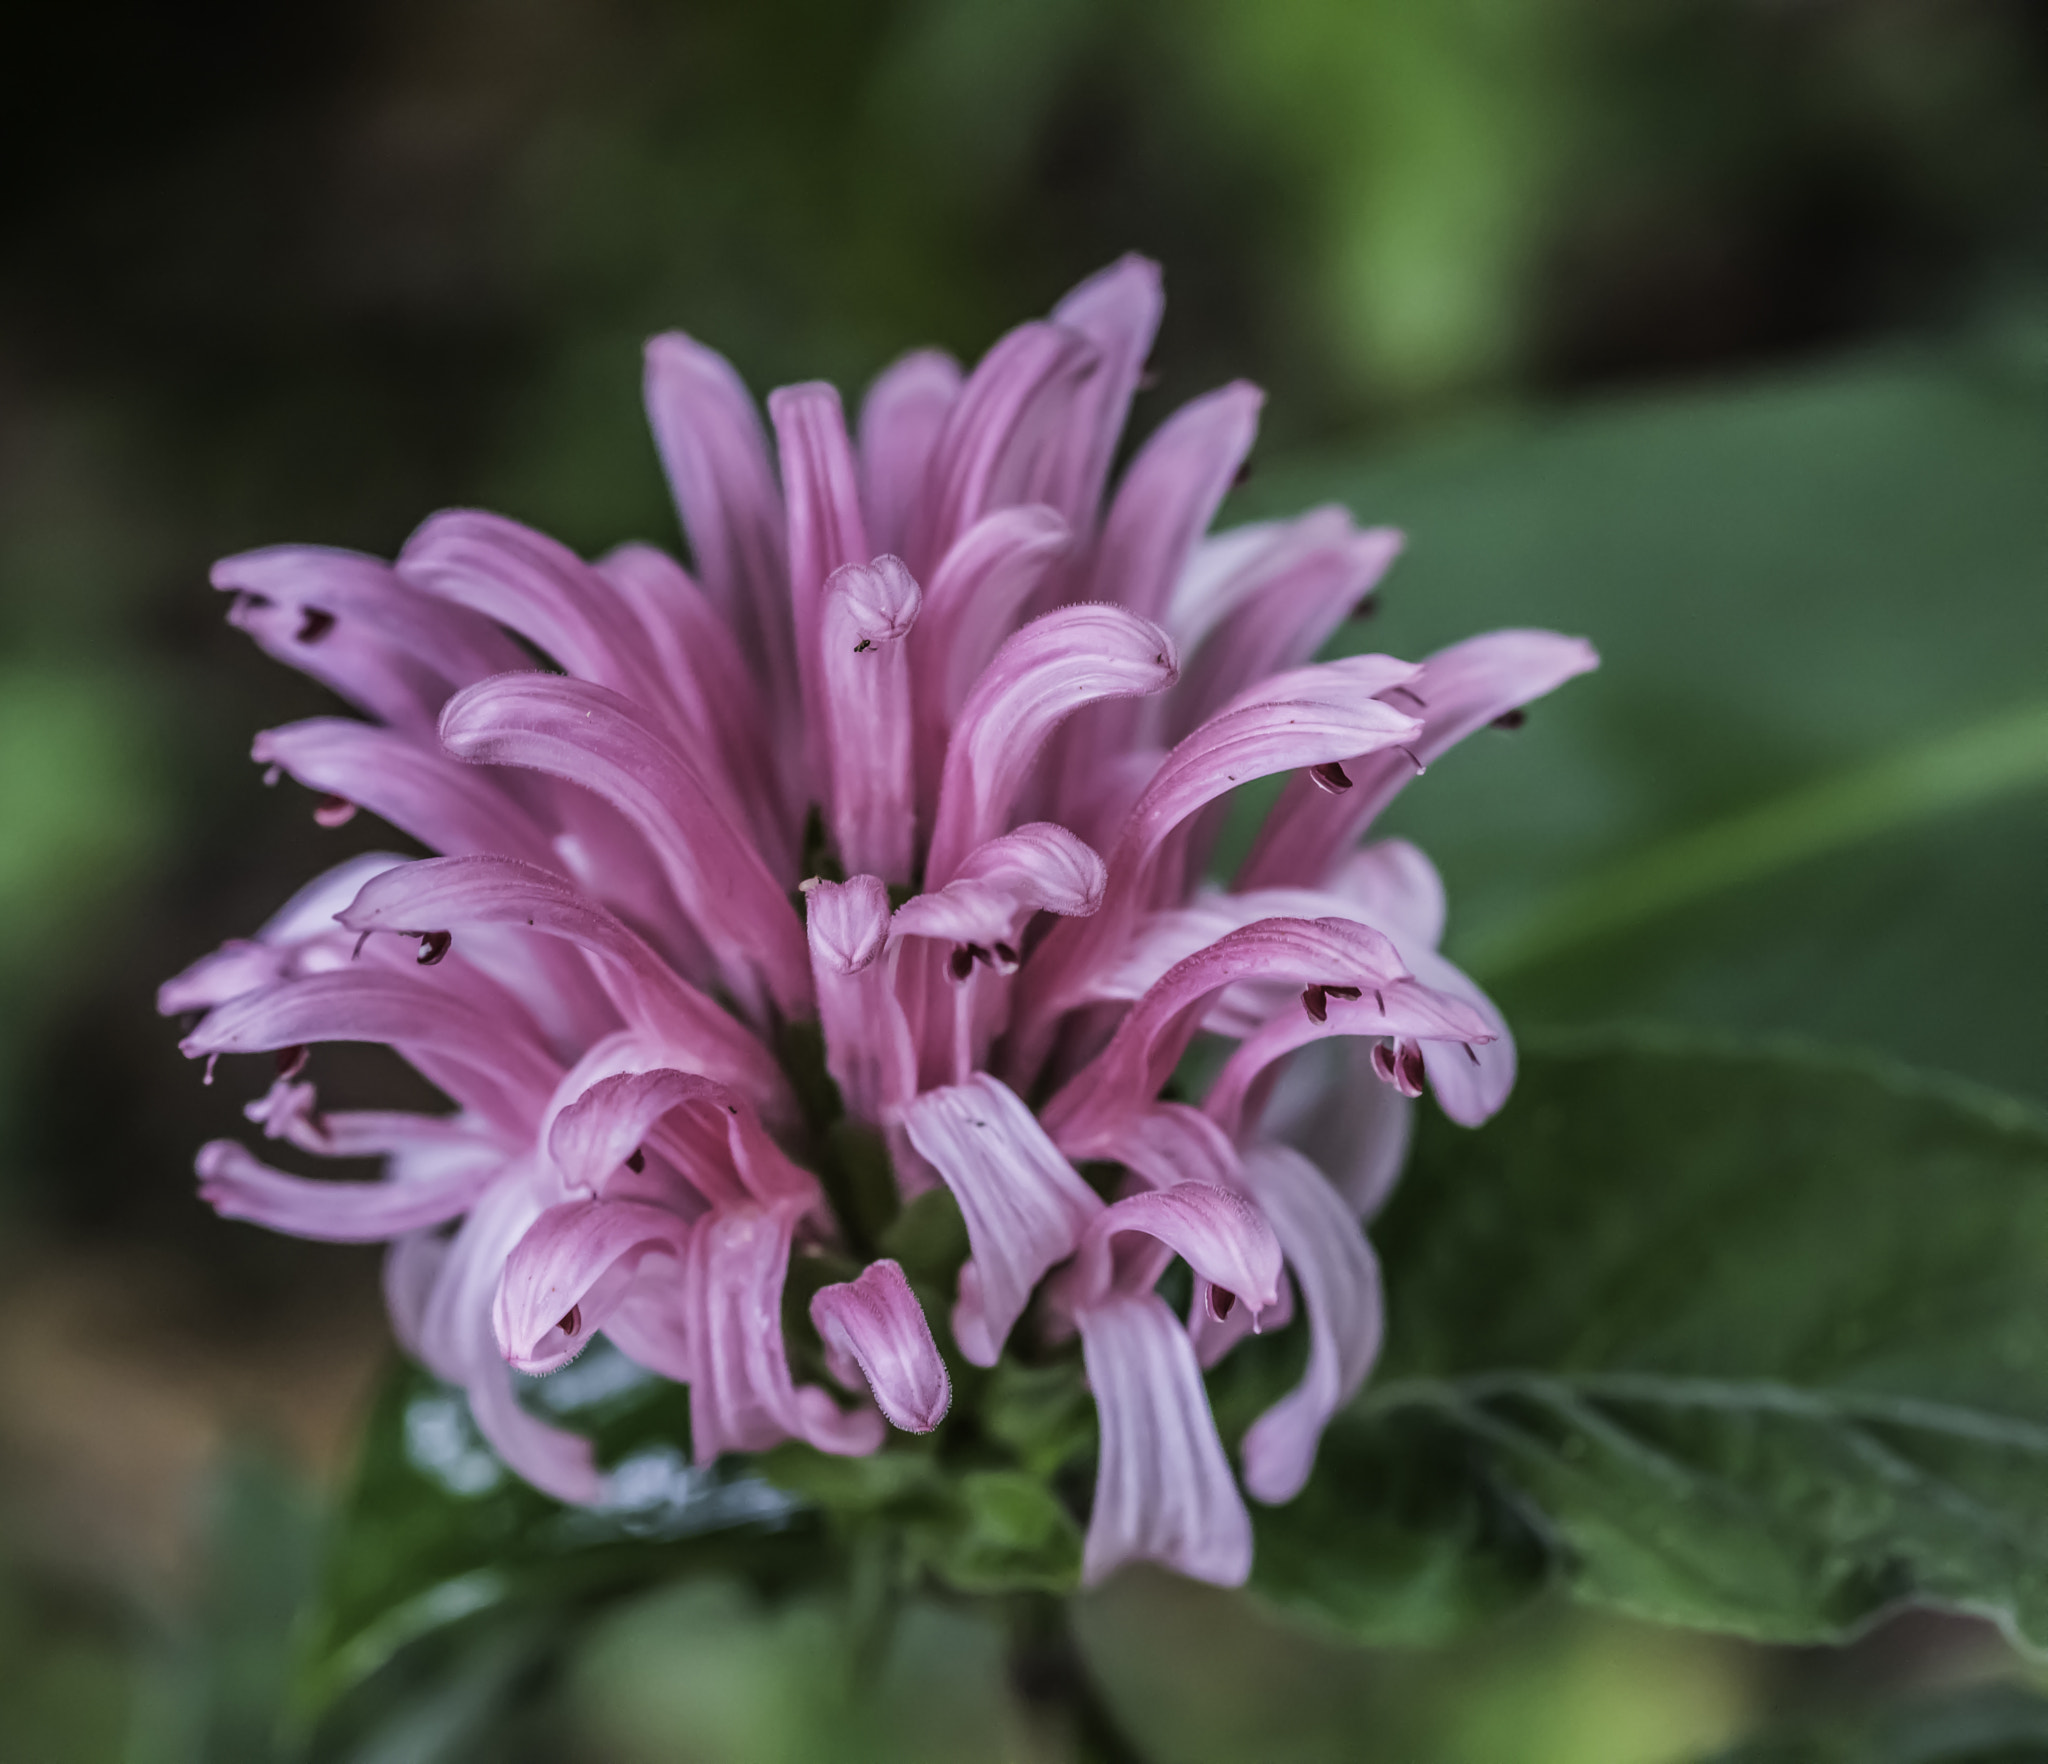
929, 750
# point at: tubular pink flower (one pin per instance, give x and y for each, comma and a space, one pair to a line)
890, 811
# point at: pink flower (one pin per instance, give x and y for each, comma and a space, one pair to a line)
996, 716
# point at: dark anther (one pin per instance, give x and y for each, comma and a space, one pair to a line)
1414, 759
1341, 991
1512, 719
358, 950
1383, 1061
1222, 1301
573, 1322
248, 602
863, 646
1469, 1054
1379, 998
638, 1161
961, 962
1366, 607
1421, 703
1316, 1002
1147, 380
1242, 476
1003, 958
433, 946
1330, 776
291, 1061
334, 811
314, 624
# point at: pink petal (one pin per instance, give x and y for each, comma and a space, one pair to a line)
1169, 1143
1163, 1489
567, 1273
1216, 1231
348, 621
237, 1185
1002, 439
1024, 1205
1039, 867
1463, 688
451, 893
1118, 310
867, 1041
972, 603
874, 1328
716, 456
864, 680
1393, 885
1169, 496
586, 735
1071, 657
445, 806
1340, 1289
1243, 613
1329, 1105
821, 484
1104, 1096
900, 420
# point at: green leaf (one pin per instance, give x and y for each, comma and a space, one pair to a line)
1806, 789
1988, 1724
1744, 1339
435, 1533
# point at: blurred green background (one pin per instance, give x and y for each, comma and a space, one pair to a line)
1717, 330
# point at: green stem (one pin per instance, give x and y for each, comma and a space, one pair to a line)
1069, 1717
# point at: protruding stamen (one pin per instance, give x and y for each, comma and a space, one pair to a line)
1511, 719
1344, 992
863, 646
1003, 959
1222, 1301
1420, 702
334, 811
291, 1061
1469, 1053
314, 624
961, 962
1379, 1000
1330, 776
212, 1060
271, 774
1315, 1001
573, 1321
1367, 607
637, 1163
1414, 759
358, 950
433, 946
1242, 476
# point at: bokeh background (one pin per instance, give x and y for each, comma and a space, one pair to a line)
1717, 329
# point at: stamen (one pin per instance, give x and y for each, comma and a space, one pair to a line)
1414, 759
1242, 476
1345, 992
1147, 380
271, 774
1469, 1054
433, 946
863, 646
1367, 607
1330, 776
1003, 958
315, 624
572, 1322
637, 1163
1511, 719
1383, 1062
1421, 703
291, 1061
212, 1060
334, 811
961, 962
358, 950
1379, 1000
1316, 1003
1222, 1301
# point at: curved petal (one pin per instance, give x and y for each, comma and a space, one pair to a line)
1216, 1231
1071, 657
451, 893
573, 730
868, 1048
900, 421
1340, 1290
1038, 867
820, 483
1462, 688
238, 1185
869, 610
1163, 1488
1118, 310
874, 1329
567, 1273
1121, 1081
1024, 1205
716, 456
447, 807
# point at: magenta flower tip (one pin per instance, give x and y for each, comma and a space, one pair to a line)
924, 748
